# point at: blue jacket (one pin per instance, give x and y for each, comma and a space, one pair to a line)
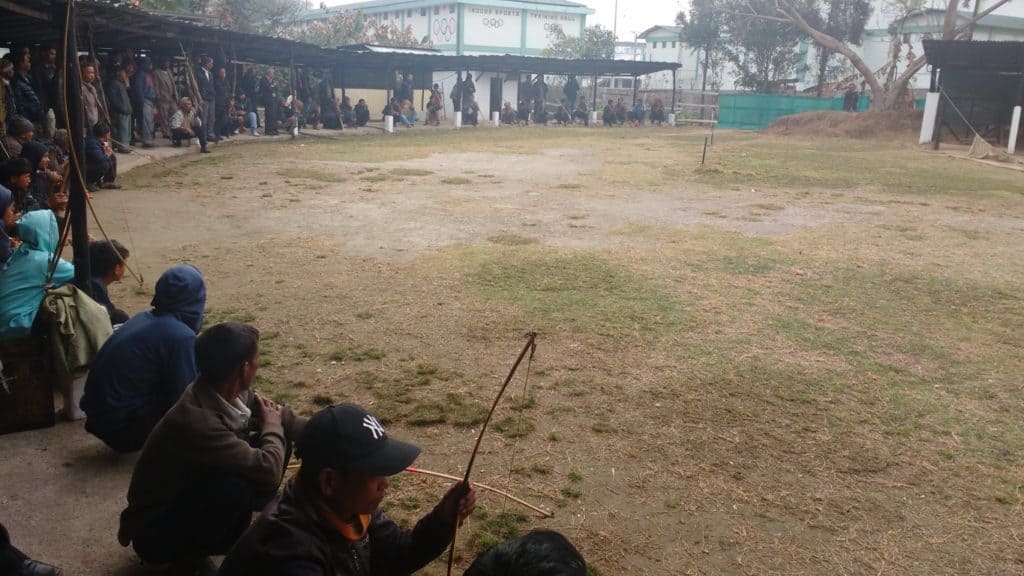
23, 277
95, 159
145, 366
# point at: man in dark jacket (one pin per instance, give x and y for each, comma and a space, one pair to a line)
215, 458
107, 265
142, 370
269, 101
100, 161
208, 94
329, 521
120, 106
25, 99
145, 94
222, 88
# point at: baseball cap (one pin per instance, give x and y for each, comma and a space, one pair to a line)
347, 438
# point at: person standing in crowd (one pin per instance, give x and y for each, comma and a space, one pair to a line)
540, 96
330, 522
166, 95
269, 100
523, 112
46, 85
107, 265
216, 457
207, 96
608, 115
90, 99
120, 107
222, 89
100, 160
468, 86
26, 102
142, 370
571, 89
456, 93
145, 94
186, 125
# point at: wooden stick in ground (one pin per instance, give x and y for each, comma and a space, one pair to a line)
536, 509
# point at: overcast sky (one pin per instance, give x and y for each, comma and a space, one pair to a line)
635, 16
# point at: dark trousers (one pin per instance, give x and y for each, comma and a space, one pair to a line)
94, 174
178, 134
205, 520
272, 114
11, 558
132, 433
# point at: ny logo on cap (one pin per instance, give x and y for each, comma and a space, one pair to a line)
374, 426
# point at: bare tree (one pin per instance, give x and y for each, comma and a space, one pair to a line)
885, 97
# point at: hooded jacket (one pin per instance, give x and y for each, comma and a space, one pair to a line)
22, 279
142, 370
6, 199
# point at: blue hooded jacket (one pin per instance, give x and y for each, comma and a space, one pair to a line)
140, 372
6, 199
22, 281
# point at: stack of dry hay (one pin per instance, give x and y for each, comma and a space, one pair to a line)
848, 124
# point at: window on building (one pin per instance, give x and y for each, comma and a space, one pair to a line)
423, 11
408, 13
673, 43
451, 9
437, 10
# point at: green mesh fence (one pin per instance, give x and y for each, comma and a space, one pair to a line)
757, 111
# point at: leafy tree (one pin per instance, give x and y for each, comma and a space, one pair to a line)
703, 31
845, 21
762, 50
266, 17
352, 27
596, 43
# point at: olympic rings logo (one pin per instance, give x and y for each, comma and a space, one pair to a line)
493, 22
445, 28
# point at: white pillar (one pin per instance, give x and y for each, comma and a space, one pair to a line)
389, 124
496, 119
1014, 126
671, 119
458, 119
593, 117
931, 111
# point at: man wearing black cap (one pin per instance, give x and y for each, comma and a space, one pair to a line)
329, 520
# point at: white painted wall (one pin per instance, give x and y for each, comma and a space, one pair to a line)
499, 27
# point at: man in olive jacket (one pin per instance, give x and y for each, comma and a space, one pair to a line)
216, 456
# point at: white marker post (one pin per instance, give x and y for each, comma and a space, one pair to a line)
496, 119
1014, 126
931, 112
389, 124
671, 119
593, 117
458, 119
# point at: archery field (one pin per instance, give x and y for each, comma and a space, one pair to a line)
804, 357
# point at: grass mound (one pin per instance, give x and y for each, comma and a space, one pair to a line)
846, 125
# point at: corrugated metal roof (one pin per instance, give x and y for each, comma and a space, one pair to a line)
992, 56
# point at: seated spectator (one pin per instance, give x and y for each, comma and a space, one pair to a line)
19, 131
637, 113
57, 202
23, 278
245, 112
141, 371
215, 458
362, 112
329, 520
106, 264
14, 562
657, 115
508, 115
186, 125
582, 114
60, 151
409, 111
394, 109
435, 105
470, 110
348, 115
563, 116
523, 112
17, 177
608, 115
538, 553
100, 161
620, 111
8, 218
43, 179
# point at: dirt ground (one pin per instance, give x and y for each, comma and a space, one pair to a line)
692, 407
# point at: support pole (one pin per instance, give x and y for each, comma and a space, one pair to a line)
1011, 147
636, 86
936, 135
67, 20
673, 90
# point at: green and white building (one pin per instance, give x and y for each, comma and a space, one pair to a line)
477, 27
